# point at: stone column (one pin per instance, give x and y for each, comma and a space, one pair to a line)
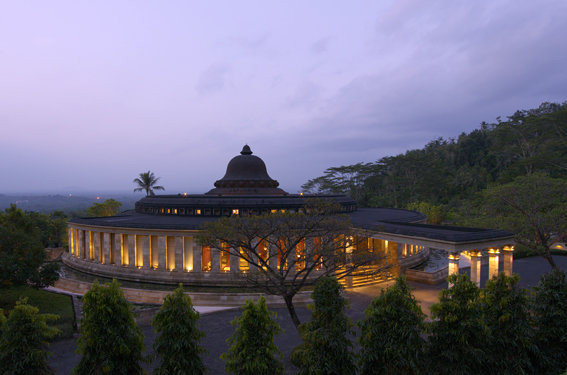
476, 257
508, 254
161, 252
178, 253
253, 264
146, 261
81, 244
131, 250
117, 250
453, 268
106, 247
493, 262
292, 260
215, 260
96, 244
187, 253
273, 255
71, 241
197, 254
400, 247
309, 247
235, 261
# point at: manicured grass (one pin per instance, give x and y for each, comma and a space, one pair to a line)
47, 302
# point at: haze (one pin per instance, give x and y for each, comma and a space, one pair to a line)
93, 93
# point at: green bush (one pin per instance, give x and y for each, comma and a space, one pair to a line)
23, 339
550, 318
459, 334
110, 341
390, 339
252, 350
178, 346
327, 349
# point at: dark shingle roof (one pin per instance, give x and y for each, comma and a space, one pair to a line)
387, 220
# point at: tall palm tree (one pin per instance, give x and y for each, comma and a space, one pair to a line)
147, 181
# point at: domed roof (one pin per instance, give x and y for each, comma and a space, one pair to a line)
246, 174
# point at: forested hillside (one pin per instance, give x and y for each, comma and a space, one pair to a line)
447, 173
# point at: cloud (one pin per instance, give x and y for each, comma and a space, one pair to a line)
212, 79
306, 95
320, 45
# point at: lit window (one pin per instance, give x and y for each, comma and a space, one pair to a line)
175, 211
235, 211
274, 211
198, 212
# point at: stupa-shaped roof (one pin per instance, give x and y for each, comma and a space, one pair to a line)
246, 174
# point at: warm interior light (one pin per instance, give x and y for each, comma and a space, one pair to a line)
235, 211
198, 212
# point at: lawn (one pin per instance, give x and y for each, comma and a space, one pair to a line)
47, 302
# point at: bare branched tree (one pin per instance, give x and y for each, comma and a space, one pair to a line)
286, 251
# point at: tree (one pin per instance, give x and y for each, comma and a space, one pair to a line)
511, 347
22, 255
178, 346
326, 347
252, 350
147, 181
110, 341
286, 251
23, 339
458, 332
550, 318
109, 207
391, 334
59, 227
534, 207
435, 214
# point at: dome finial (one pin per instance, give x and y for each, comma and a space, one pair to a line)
246, 150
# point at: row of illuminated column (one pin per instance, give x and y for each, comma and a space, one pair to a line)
182, 253
494, 254
172, 253
175, 253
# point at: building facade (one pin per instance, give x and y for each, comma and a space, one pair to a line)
156, 241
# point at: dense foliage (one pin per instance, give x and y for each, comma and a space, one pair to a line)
459, 334
391, 339
23, 238
448, 171
110, 341
550, 315
252, 350
326, 348
510, 175
178, 345
534, 207
512, 348
23, 340
109, 207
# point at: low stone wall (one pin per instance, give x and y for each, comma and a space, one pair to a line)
414, 260
431, 278
198, 298
157, 276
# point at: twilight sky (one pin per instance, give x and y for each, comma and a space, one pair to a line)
94, 92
